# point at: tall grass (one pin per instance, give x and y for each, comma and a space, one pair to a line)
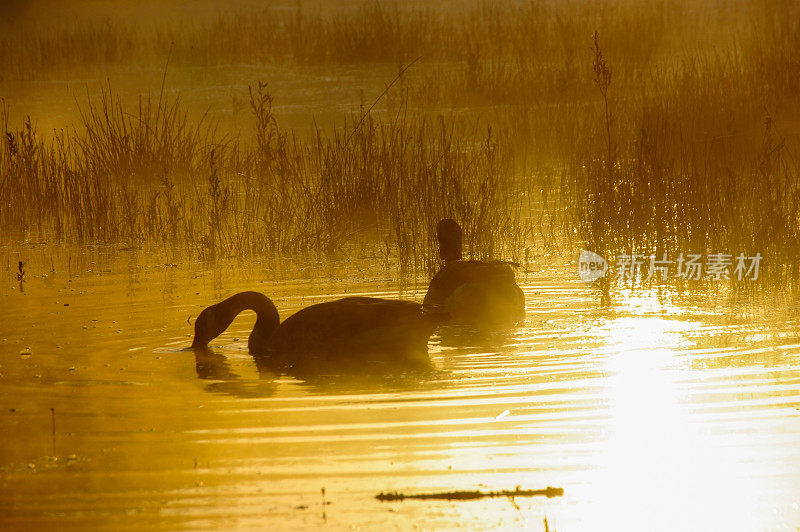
702, 163
153, 139
622, 126
541, 37
146, 177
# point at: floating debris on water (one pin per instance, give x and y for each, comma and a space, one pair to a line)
472, 495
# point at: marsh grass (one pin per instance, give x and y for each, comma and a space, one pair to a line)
146, 177
623, 127
539, 43
698, 166
153, 139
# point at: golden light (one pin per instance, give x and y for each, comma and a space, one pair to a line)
660, 467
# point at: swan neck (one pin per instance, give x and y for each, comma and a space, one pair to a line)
215, 319
449, 235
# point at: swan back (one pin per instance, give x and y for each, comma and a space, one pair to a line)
479, 293
355, 334
482, 294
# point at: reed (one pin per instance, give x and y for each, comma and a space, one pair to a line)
148, 179
535, 38
152, 140
624, 127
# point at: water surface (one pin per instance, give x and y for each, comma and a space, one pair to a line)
659, 412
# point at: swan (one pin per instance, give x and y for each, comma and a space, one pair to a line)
483, 294
354, 334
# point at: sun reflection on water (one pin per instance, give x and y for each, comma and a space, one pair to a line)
659, 467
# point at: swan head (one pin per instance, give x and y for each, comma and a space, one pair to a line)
449, 234
208, 325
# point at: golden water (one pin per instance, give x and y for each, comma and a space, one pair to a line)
672, 413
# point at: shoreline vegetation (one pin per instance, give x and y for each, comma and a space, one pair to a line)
543, 127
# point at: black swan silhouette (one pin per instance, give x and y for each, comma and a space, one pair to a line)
350, 335
483, 294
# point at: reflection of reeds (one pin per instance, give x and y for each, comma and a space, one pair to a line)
148, 178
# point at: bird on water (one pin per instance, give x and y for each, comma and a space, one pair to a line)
483, 294
350, 335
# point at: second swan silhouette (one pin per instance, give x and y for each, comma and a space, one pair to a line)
482, 294
350, 335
